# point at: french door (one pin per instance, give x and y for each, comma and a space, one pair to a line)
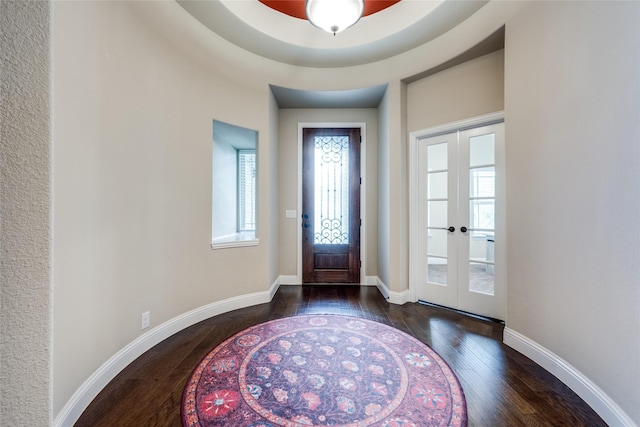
331, 205
462, 220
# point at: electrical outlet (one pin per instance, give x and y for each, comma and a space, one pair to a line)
146, 318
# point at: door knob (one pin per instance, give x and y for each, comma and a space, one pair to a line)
450, 229
463, 229
305, 225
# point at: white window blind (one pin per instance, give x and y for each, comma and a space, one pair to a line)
246, 190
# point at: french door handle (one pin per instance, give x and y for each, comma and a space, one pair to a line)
450, 229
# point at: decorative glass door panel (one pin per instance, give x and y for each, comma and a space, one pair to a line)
331, 206
331, 225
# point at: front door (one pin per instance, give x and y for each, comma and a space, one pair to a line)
462, 202
331, 205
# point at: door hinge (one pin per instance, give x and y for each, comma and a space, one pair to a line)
360, 180
360, 222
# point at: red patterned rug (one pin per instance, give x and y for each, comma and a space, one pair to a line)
323, 370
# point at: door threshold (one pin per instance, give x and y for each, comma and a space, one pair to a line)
465, 313
331, 283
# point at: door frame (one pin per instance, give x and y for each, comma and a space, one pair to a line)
414, 196
363, 191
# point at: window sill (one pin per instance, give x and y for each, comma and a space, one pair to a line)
237, 240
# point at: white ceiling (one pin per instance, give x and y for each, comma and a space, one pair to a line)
252, 26
235, 136
368, 97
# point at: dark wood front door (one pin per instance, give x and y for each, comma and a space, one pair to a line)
331, 205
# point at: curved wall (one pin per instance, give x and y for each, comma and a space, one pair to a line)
572, 109
133, 153
137, 84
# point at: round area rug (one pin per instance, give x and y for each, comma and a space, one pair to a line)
323, 370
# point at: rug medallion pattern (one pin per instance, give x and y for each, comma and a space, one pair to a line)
324, 370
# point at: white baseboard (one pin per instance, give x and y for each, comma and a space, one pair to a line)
112, 367
371, 281
610, 412
393, 297
604, 406
290, 280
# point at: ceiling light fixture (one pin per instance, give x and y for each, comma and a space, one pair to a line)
334, 16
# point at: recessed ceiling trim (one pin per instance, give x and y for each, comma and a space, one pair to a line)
265, 32
368, 97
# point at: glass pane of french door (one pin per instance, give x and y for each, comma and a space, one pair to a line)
437, 212
482, 192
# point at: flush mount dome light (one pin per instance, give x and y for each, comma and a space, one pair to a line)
334, 16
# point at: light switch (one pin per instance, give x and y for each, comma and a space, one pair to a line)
290, 213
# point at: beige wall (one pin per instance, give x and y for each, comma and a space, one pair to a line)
393, 242
572, 105
462, 92
133, 177
273, 197
384, 191
288, 165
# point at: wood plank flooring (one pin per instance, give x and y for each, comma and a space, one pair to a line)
502, 387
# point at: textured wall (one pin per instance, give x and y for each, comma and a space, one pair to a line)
25, 198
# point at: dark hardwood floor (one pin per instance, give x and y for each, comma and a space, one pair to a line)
502, 387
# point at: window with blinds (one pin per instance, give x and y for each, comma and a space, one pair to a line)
246, 190
234, 186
